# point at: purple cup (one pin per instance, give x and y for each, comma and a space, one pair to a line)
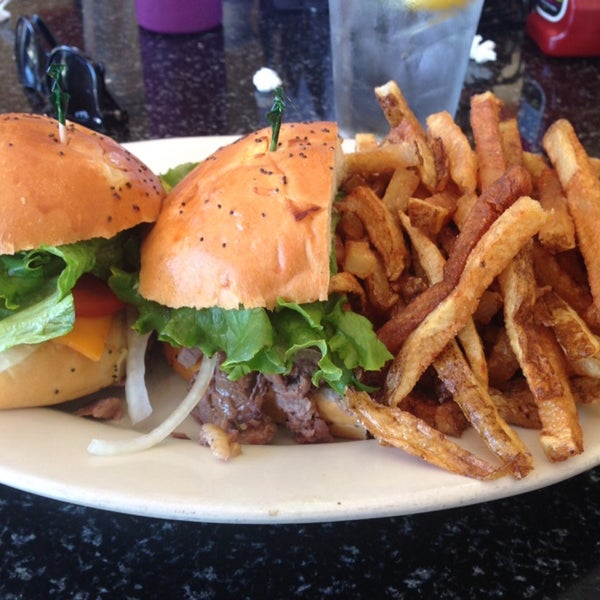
179, 16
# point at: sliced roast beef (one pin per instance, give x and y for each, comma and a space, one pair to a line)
292, 396
236, 407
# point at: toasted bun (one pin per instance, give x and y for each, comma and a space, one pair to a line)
54, 193
55, 373
248, 226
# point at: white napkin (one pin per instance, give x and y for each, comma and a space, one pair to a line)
482, 51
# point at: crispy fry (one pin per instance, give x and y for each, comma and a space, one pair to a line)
503, 240
379, 291
485, 123
432, 261
549, 272
516, 404
346, 283
480, 410
401, 187
406, 127
502, 362
427, 216
582, 188
558, 234
383, 159
359, 259
571, 331
511, 142
381, 227
462, 161
365, 141
514, 183
398, 428
541, 361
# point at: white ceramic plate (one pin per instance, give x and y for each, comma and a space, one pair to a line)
44, 451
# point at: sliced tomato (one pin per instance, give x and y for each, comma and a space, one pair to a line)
93, 298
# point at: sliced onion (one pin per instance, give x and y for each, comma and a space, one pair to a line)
136, 392
162, 431
13, 356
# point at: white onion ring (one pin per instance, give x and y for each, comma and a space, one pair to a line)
162, 431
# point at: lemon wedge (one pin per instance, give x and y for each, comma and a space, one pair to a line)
436, 4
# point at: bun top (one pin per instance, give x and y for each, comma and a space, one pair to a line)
248, 226
55, 193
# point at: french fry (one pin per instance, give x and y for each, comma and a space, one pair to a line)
503, 240
502, 193
558, 234
395, 427
549, 272
541, 361
516, 404
511, 142
406, 127
582, 188
347, 284
359, 259
381, 226
571, 331
427, 216
462, 160
365, 141
480, 410
489, 147
432, 261
401, 187
383, 159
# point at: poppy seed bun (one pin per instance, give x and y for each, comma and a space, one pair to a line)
248, 226
54, 193
54, 373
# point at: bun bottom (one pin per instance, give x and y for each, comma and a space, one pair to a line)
55, 373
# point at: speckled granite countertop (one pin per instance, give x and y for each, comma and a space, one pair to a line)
544, 544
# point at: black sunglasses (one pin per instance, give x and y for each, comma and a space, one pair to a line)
90, 102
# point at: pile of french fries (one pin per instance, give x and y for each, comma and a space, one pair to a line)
479, 263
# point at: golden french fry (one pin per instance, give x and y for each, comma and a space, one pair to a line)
359, 259
485, 124
571, 331
347, 284
401, 187
492, 202
511, 142
468, 390
381, 226
432, 261
427, 216
480, 410
405, 127
383, 159
516, 404
395, 427
443, 415
541, 360
503, 240
501, 360
549, 272
558, 234
462, 160
582, 188
379, 291
365, 141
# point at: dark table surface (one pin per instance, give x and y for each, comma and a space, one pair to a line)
543, 544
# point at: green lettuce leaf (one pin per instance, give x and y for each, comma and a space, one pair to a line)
173, 176
36, 303
266, 341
